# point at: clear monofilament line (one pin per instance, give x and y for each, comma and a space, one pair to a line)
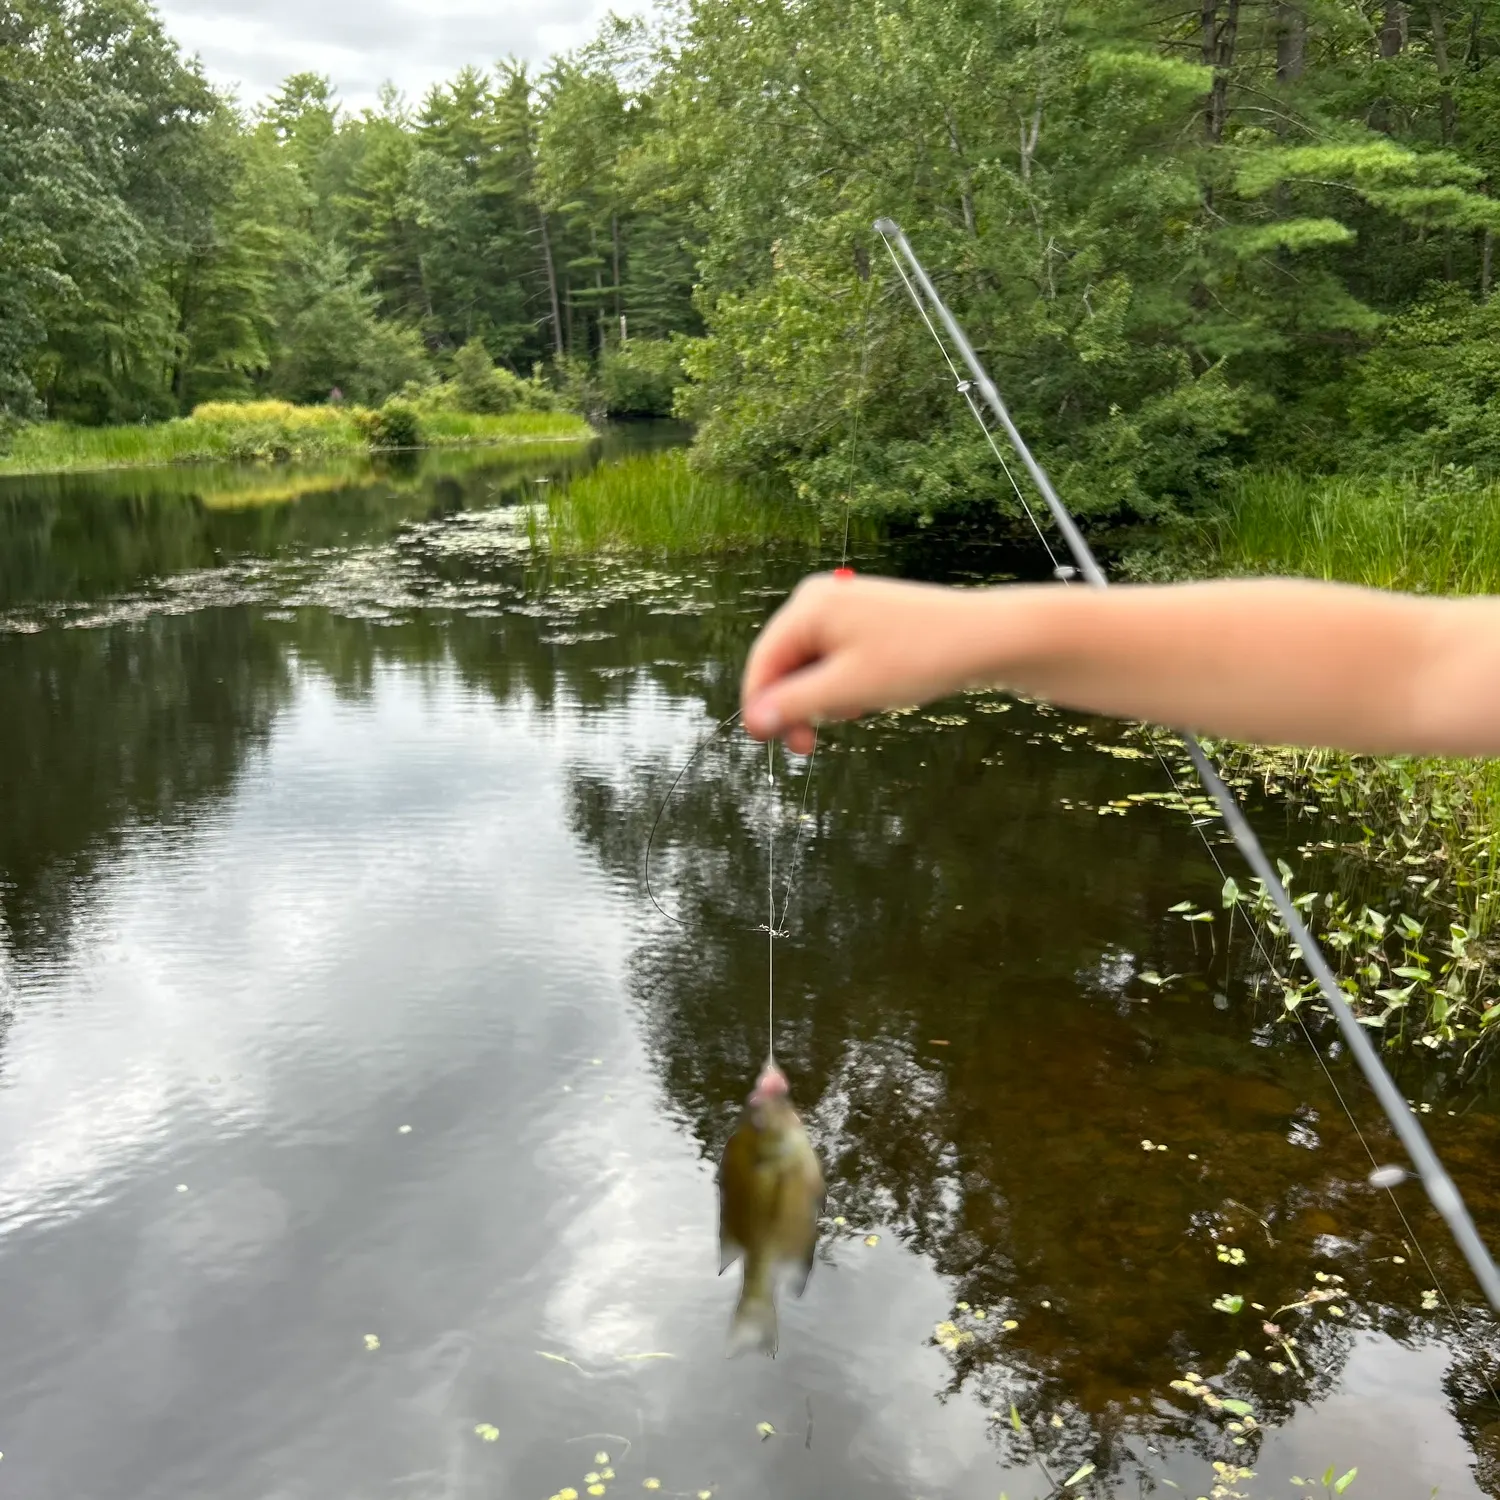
771, 901
1441, 1190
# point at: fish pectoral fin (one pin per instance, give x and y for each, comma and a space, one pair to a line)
802, 1269
730, 1250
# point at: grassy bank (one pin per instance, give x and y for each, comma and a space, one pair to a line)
1426, 965
1437, 535
656, 502
272, 431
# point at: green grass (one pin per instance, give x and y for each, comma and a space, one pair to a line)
1430, 817
656, 502
261, 431
1421, 536
447, 428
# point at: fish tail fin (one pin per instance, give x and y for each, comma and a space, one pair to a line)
754, 1325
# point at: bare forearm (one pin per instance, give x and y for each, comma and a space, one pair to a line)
1275, 661
1270, 660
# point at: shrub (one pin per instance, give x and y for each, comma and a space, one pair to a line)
396, 425
1428, 394
283, 413
478, 386
640, 379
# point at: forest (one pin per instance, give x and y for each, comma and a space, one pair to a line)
1188, 241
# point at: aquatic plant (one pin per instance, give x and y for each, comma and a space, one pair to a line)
1426, 827
261, 431
1436, 533
658, 502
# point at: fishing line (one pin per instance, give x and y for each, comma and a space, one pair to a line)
966, 389
859, 403
1414, 1243
1440, 1188
773, 926
687, 766
771, 902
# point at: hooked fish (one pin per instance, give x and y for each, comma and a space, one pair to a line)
770, 1195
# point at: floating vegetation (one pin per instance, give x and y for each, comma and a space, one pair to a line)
1331, 1485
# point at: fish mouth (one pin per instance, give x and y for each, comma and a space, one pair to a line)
770, 1085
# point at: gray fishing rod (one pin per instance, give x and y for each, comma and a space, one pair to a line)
1440, 1187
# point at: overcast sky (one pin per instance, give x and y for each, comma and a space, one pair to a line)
361, 43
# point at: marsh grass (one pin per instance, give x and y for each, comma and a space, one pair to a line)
1432, 823
657, 502
1438, 534
262, 431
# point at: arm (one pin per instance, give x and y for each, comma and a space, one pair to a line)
1273, 660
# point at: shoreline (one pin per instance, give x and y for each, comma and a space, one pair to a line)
21, 469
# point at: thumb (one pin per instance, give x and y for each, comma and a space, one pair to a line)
800, 699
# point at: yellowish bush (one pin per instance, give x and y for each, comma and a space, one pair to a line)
284, 414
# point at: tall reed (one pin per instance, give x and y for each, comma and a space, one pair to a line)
1435, 535
657, 502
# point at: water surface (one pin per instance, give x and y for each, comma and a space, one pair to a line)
335, 1010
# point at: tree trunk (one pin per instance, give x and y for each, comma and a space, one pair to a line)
1029, 136
1208, 36
966, 196
599, 314
1446, 109
1392, 40
1393, 30
1218, 53
557, 329
614, 229
1291, 42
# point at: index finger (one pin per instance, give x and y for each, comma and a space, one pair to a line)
790, 639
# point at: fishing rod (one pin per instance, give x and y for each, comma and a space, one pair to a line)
1441, 1190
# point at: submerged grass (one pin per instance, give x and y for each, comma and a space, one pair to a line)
262, 431
657, 502
1430, 825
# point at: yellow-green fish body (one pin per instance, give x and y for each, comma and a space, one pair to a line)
770, 1196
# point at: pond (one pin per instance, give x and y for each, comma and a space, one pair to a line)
360, 1111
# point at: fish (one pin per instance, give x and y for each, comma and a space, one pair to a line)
771, 1195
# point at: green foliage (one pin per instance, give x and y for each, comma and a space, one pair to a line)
1435, 534
640, 379
272, 431
1431, 826
1278, 250
396, 425
1426, 395
478, 386
658, 502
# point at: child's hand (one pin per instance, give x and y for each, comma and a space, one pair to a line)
840, 647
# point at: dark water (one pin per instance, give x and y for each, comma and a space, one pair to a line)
333, 1007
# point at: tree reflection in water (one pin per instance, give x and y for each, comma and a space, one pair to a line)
958, 999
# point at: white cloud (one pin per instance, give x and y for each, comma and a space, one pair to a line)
361, 44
